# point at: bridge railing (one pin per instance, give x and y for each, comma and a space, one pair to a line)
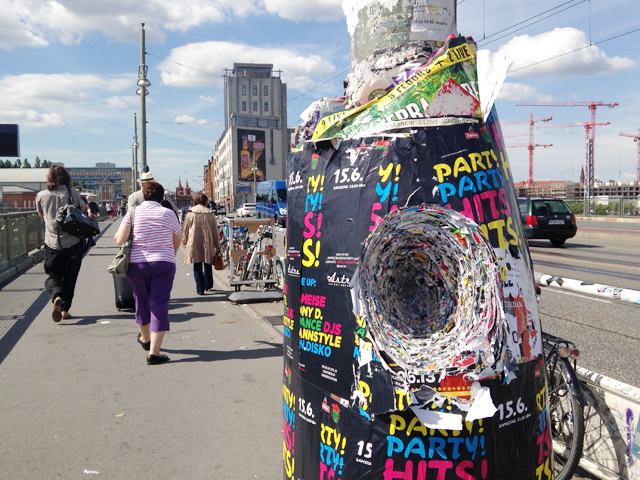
20, 233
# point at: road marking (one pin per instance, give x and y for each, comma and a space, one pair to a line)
576, 295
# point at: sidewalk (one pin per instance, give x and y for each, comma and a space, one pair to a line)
79, 395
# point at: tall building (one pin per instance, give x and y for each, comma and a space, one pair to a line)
255, 139
112, 183
183, 195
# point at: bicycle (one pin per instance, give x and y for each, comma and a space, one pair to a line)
257, 264
566, 403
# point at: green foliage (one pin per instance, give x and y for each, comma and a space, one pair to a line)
17, 163
36, 162
576, 207
26, 164
74, 183
600, 210
82, 184
45, 164
7, 164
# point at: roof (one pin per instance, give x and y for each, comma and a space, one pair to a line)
17, 189
23, 175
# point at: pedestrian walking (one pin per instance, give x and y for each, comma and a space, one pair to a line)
123, 208
136, 198
109, 210
63, 251
92, 208
152, 266
202, 240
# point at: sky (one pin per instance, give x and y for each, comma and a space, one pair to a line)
68, 72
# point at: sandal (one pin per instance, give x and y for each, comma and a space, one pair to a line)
145, 345
56, 314
157, 359
66, 315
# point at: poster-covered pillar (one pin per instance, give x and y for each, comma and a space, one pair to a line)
412, 344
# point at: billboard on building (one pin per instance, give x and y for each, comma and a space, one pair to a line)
250, 152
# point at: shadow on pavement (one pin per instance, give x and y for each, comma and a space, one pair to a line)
273, 350
130, 316
11, 338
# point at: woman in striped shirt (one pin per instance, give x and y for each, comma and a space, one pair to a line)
152, 266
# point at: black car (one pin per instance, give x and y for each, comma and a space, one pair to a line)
547, 218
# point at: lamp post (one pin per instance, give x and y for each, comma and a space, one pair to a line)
143, 83
255, 174
134, 152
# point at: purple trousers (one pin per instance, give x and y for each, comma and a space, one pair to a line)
151, 283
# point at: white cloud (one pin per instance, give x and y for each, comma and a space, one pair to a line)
123, 101
36, 22
31, 118
521, 91
590, 61
202, 121
322, 10
215, 56
208, 99
184, 119
44, 100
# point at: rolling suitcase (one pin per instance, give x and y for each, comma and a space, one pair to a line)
124, 294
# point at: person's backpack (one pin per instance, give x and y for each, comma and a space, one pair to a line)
72, 220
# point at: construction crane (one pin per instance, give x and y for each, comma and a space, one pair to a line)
531, 146
588, 135
591, 135
635, 139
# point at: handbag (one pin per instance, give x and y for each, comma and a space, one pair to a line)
72, 220
218, 262
119, 266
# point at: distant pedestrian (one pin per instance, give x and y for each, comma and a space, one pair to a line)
136, 198
202, 241
109, 210
152, 267
123, 209
92, 208
63, 251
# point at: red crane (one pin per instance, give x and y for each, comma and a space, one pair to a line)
636, 139
531, 146
591, 134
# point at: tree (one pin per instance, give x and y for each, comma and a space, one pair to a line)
46, 164
17, 163
26, 164
577, 207
74, 183
2, 164
36, 162
82, 184
600, 209
7, 164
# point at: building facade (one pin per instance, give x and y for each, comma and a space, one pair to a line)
111, 182
573, 191
183, 196
255, 141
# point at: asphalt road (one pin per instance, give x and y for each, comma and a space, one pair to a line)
605, 330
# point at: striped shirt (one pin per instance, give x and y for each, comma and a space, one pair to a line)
153, 229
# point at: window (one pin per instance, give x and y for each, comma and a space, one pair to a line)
266, 106
244, 106
255, 106
266, 91
244, 89
255, 90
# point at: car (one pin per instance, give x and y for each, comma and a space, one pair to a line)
547, 218
247, 210
221, 210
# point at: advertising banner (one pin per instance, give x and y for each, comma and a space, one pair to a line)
369, 416
251, 152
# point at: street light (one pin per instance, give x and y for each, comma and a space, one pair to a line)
134, 166
255, 174
143, 83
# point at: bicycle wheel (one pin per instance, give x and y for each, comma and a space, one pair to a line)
567, 425
279, 275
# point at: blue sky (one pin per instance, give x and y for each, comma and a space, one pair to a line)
68, 72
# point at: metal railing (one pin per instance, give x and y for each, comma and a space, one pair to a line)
20, 233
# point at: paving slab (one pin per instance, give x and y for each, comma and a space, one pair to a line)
79, 395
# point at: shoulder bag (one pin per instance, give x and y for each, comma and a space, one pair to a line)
72, 220
119, 266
